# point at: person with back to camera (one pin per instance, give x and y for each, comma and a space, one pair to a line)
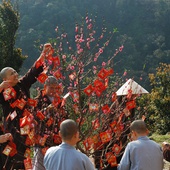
166, 150
142, 153
14, 94
65, 156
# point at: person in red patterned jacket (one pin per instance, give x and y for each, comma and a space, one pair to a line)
14, 94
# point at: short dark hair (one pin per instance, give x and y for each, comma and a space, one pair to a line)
68, 128
138, 126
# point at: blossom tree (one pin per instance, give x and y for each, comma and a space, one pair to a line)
86, 93
88, 80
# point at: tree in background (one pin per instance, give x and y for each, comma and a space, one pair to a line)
157, 103
9, 23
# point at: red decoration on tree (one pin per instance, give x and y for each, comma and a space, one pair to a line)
28, 164
130, 105
106, 109
89, 90
105, 137
111, 158
40, 115
116, 149
32, 102
114, 97
57, 74
42, 77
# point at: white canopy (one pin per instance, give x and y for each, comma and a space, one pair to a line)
131, 85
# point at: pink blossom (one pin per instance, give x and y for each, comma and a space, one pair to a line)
80, 50
63, 56
76, 29
94, 67
88, 45
89, 26
72, 67
103, 64
95, 59
56, 29
125, 73
121, 48
81, 71
100, 50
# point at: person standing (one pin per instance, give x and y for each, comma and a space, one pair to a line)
45, 101
65, 156
142, 153
14, 94
166, 151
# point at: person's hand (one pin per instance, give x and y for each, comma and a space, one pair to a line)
4, 85
47, 48
6, 137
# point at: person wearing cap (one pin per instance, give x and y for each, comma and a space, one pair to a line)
14, 94
142, 153
56, 114
65, 156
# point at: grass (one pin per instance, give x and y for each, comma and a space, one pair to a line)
160, 138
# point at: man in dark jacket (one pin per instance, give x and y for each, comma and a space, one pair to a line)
14, 95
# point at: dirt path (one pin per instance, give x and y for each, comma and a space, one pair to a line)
166, 165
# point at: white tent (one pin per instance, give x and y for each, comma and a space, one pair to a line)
131, 85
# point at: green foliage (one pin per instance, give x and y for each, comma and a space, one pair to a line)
143, 27
157, 103
9, 23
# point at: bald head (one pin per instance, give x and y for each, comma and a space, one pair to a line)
68, 128
51, 80
138, 126
4, 71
